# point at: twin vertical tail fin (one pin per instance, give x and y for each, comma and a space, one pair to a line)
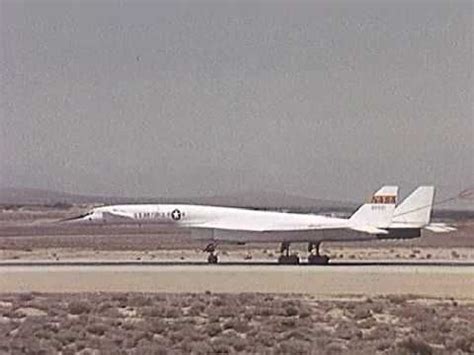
415, 210
378, 212
381, 215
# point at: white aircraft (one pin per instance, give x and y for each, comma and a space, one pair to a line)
238, 225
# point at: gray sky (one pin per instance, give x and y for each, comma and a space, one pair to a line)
321, 99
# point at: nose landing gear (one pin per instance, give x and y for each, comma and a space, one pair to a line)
212, 257
285, 257
315, 258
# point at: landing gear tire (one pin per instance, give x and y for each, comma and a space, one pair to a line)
285, 257
318, 259
212, 259
289, 259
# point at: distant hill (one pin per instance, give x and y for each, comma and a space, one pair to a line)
251, 199
31, 196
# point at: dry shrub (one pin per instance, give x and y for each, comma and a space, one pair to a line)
383, 344
106, 345
264, 311
238, 343
135, 337
397, 299
104, 306
176, 337
221, 345
66, 336
237, 324
213, 318
347, 331
119, 298
335, 348
287, 323
293, 346
151, 349
291, 311
305, 312
196, 348
80, 345
367, 323
25, 296
158, 326
185, 332
151, 311
128, 326
139, 300
172, 312
28, 346
114, 314
248, 314
97, 329
212, 329
265, 338
222, 311
377, 307
299, 333
464, 343
79, 307
414, 346
197, 307
228, 343
345, 305
217, 301
43, 334
269, 298
446, 326
381, 331
247, 298
362, 312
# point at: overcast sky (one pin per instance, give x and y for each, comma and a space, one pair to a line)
326, 99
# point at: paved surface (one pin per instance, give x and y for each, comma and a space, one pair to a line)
107, 262
368, 280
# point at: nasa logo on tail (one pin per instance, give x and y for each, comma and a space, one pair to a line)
387, 199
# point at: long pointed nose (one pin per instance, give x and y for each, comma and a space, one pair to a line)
83, 217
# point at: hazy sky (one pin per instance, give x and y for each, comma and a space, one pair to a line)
326, 99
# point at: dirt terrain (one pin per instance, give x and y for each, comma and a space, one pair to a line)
209, 323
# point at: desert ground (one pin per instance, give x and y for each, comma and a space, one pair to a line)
207, 323
396, 313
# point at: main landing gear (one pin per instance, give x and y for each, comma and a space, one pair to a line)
285, 257
211, 249
314, 258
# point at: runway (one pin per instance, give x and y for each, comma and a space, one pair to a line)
357, 263
364, 279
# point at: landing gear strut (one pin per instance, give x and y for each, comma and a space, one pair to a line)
211, 249
314, 258
285, 257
